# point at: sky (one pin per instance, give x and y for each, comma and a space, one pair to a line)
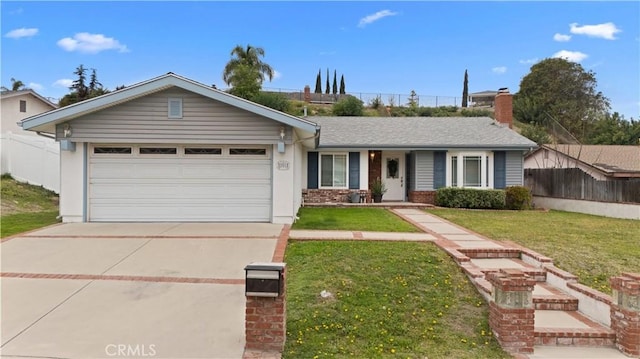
379, 47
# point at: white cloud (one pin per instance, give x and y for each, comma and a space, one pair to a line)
561, 37
499, 70
606, 31
276, 74
35, 86
375, 17
63, 83
91, 43
529, 61
22, 32
573, 56
17, 11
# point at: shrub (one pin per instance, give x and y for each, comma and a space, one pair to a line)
376, 102
518, 197
273, 100
476, 112
454, 197
348, 106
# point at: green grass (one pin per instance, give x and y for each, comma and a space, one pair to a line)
25, 207
390, 300
593, 248
353, 219
22, 222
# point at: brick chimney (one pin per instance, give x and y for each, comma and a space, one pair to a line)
504, 107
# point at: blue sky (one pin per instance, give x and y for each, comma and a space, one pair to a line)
380, 47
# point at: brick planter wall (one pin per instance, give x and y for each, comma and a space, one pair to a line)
428, 197
511, 310
266, 322
332, 195
625, 313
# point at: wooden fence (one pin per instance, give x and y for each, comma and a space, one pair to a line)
573, 183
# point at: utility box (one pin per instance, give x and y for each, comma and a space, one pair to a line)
264, 279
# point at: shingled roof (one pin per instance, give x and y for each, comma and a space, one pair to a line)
607, 158
418, 133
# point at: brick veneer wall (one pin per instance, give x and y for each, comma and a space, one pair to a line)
422, 197
266, 321
375, 166
332, 195
625, 313
511, 310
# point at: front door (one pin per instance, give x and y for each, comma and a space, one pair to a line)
393, 175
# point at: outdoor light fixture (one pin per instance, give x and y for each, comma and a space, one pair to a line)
282, 134
372, 155
67, 131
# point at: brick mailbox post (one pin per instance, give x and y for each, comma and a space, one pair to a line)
625, 313
265, 313
511, 311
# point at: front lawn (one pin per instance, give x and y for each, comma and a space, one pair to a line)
388, 300
592, 247
351, 219
25, 207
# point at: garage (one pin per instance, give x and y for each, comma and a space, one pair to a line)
179, 183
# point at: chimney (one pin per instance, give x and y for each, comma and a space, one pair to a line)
504, 107
307, 94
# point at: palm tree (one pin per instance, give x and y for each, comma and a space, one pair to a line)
16, 85
247, 57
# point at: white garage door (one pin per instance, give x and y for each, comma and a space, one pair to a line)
148, 183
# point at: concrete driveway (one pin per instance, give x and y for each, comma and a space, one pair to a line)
162, 290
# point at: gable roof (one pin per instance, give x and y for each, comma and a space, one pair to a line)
418, 132
46, 122
10, 94
610, 159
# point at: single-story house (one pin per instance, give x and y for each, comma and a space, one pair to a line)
172, 149
602, 162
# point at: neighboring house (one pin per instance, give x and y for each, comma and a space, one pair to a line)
602, 162
172, 149
482, 98
18, 105
25, 155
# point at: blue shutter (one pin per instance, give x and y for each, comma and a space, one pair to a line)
499, 169
312, 170
354, 170
439, 169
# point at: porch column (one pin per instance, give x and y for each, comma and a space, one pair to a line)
625, 313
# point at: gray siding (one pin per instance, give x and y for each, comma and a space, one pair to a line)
145, 120
424, 171
514, 168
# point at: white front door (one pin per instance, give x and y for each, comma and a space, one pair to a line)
393, 175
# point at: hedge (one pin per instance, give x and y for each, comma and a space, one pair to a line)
518, 197
454, 197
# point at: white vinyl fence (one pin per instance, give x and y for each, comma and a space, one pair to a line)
31, 159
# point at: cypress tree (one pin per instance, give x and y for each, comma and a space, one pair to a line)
342, 91
318, 83
335, 82
465, 89
327, 88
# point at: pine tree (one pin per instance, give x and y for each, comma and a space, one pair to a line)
465, 89
342, 91
327, 88
318, 83
335, 82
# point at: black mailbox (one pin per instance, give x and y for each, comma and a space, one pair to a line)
263, 279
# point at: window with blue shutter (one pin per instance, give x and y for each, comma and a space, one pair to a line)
354, 170
439, 169
312, 170
499, 169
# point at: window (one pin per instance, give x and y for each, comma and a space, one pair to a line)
158, 151
175, 108
202, 151
333, 170
470, 169
248, 151
23, 106
112, 150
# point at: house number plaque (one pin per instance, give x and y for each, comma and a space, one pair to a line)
283, 165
